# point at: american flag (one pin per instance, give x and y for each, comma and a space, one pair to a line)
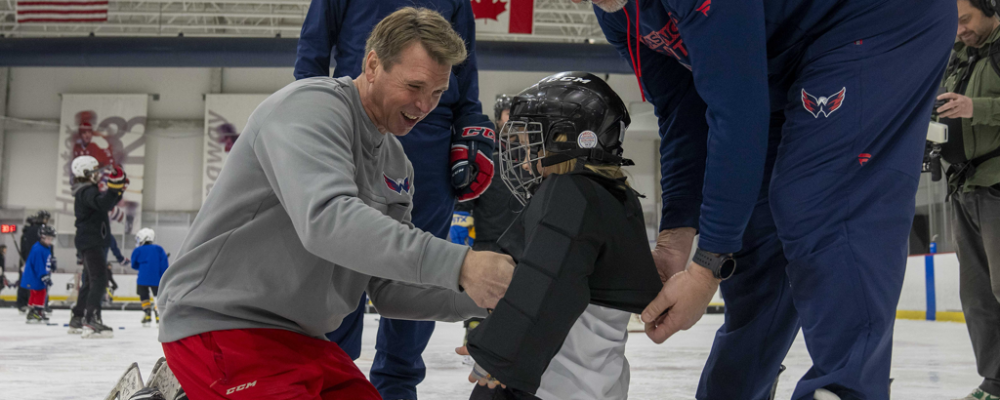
62, 11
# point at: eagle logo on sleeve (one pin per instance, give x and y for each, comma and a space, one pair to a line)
823, 105
398, 186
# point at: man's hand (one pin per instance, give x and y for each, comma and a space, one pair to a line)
682, 301
471, 156
125, 261
958, 106
673, 247
485, 276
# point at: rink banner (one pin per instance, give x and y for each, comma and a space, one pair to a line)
504, 16
225, 117
110, 128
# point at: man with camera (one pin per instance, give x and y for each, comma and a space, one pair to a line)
971, 109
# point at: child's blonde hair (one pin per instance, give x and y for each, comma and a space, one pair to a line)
607, 170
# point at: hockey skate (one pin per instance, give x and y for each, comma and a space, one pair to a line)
36, 317
163, 379
95, 329
148, 394
129, 384
979, 394
75, 325
146, 321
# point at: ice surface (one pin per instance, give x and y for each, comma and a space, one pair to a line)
931, 360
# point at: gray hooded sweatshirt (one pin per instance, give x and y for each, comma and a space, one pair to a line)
311, 209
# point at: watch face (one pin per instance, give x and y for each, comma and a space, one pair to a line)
727, 268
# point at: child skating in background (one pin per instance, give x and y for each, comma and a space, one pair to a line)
584, 262
37, 274
151, 262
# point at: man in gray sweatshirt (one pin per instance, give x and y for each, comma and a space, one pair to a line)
311, 209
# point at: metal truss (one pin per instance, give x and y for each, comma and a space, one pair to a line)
555, 20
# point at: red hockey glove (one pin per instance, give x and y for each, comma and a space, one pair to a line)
472, 146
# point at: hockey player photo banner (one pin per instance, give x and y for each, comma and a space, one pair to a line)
110, 128
504, 16
225, 117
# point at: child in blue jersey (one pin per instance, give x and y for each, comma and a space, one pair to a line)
37, 274
151, 262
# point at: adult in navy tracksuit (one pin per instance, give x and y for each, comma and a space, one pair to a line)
339, 28
791, 130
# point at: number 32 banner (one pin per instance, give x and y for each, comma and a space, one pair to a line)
110, 128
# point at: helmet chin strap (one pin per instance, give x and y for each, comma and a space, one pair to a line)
593, 155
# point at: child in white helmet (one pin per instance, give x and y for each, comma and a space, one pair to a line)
151, 262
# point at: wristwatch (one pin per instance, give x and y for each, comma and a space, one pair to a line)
721, 265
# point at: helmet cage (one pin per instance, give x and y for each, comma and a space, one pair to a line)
522, 146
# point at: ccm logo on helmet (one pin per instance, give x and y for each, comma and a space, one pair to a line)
565, 79
241, 387
479, 131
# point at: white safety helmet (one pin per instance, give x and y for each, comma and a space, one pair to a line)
145, 235
85, 167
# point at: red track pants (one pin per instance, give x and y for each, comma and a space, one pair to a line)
265, 364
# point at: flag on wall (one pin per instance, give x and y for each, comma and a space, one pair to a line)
62, 11
225, 117
111, 128
504, 16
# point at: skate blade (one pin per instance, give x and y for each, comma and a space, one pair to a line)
74, 331
90, 334
146, 325
33, 322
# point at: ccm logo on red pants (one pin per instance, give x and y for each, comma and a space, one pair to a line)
241, 387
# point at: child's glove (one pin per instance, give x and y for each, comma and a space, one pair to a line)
117, 179
47, 280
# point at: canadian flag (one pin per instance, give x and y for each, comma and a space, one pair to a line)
499, 16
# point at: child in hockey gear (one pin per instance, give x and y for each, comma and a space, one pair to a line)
91, 208
28, 239
37, 275
151, 262
584, 263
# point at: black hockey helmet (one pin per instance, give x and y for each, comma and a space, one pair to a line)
569, 115
502, 103
43, 215
46, 230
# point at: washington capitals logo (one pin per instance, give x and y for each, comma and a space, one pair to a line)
823, 105
863, 158
396, 186
707, 5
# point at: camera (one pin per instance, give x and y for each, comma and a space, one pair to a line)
937, 135
938, 103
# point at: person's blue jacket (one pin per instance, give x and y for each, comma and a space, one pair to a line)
37, 266
151, 262
339, 28
737, 60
